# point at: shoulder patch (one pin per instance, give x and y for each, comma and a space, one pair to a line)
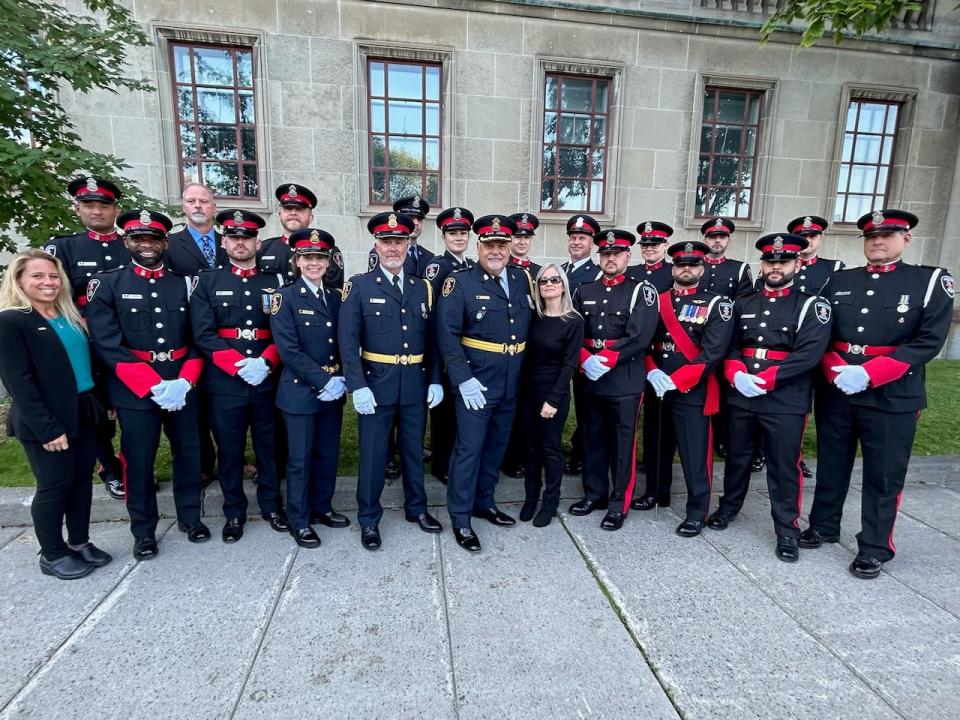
946, 282
347, 287
50, 249
431, 271
276, 300
338, 258
822, 311
448, 286
372, 261
92, 288
649, 294
725, 308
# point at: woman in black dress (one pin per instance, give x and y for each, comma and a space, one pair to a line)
553, 347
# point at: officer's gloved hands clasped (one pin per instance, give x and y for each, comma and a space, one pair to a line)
158, 391
434, 395
594, 367
334, 389
661, 382
472, 393
174, 395
749, 385
364, 402
253, 370
851, 379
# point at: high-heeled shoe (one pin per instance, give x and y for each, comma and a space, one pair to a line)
528, 510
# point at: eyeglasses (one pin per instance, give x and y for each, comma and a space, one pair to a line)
552, 280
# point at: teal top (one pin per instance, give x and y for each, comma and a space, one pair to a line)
78, 350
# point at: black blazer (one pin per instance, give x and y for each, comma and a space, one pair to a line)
184, 256
36, 371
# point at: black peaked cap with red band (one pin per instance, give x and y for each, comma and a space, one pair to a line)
690, 252
412, 205
887, 221
527, 223
309, 241
717, 226
613, 240
293, 195
781, 246
807, 225
582, 224
91, 187
390, 224
240, 223
494, 227
144, 222
652, 232
455, 218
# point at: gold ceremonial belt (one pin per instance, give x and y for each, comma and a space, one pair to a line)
392, 359
502, 348
331, 369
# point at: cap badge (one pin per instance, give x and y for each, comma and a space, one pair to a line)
457, 215
719, 223
648, 227
611, 238
314, 237
877, 217
238, 217
579, 222
495, 225
416, 201
808, 222
292, 191
688, 248
392, 221
144, 217
92, 185
778, 243
525, 219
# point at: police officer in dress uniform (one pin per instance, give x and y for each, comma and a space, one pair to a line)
418, 258
579, 269
230, 317
652, 239
296, 212
139, 326
391, 366
620, 317
312, 390
84, 254
454, 224
889, 320
779, 336
484, 315
691, 339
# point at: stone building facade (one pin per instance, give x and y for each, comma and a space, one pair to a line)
664, 110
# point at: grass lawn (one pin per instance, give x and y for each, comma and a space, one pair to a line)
937, 434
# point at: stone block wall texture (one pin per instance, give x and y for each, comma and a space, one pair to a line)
312, 114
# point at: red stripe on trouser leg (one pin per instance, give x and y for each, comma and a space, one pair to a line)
628, 495
796, 524
890, 544
123, 475
710, 456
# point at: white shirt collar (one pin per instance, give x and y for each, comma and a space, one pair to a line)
389, 275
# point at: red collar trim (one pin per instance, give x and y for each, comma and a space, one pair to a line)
149, 274
285, 240
889, 267
610, 282
779, 292
519, 262
656, 266
243, 272
714, 261
682, 292
811, 261
102, 237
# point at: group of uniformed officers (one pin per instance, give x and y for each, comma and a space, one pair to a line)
266, 337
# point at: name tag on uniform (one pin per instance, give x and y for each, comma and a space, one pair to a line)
482, 297
589, 302
301, 311
87, 263
378, 301
224, 292
748, 317
131, 296
269, 257
842, 292
698, 302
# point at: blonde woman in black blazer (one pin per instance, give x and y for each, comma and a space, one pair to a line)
45, 367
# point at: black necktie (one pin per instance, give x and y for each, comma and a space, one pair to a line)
396, 284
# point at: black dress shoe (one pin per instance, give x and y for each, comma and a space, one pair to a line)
720, 519
68, 567
427, 522
648, 502
545, 514
757, 464
330, 519
613, 520
197, 534
145, 548
232, 530
528, 510
513, 472
494, 516
93, 555
805, 471
787, 549
306, 537
812, 539
392, 470
426, 455
585, 506
689, 528
113, 484
574, 467
278, 521
865, 567
370, 537
720, 449
467, 539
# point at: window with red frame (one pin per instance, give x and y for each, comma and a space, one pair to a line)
865, 158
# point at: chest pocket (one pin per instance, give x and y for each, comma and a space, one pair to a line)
483, 315
135, 314
378, 318
173, 315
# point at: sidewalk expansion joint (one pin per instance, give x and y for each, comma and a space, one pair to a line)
617, 605
282, 586
446, 618
12, 538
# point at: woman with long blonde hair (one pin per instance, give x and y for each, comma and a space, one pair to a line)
45, 367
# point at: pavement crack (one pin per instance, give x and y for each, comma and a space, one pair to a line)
616, 604
446, 617
282, 586
12, 538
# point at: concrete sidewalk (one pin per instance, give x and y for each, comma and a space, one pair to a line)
564, 621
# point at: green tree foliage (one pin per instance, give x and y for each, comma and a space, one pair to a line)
842, 17
44, 47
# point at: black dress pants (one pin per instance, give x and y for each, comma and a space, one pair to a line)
543, 459
610, 449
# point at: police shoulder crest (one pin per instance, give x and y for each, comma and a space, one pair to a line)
649, 294
276, 300
338, 258
372, 261
92, 288
448, 286
946, 282
347, 287
431, 270
50, 249
725, 308
822, 311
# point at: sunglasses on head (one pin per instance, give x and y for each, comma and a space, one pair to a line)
552, 280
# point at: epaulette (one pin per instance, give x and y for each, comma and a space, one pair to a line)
111, 270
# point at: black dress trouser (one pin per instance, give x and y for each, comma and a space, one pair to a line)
543, 457
610, 449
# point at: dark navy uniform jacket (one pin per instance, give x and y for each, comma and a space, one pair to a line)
588, 272
275, 254
234, 301
660, 274
727, 277
813, 276
375, 318
705, 319
473, 305
415, 267
784, 320
906, 309
620, 317
134, 309
441, 266
84, 255
304, 329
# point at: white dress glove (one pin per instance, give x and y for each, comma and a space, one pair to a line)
174, 396
253, 370
158, 392
334, 389
472, 393
749, 385
434, 395
363, 401
661, 382
851, 379
594, 367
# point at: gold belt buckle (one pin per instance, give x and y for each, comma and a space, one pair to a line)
510, 349
403, 359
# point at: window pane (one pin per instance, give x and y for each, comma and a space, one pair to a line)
247, 115
188, 141
892, 112
549, 158
603, 90
189, 172
244, 68
550, 127
746, 173
753, 116
406, 117
432, 193
857, 205
725, 171
250, 184
551, 92
882, 182
862, 178
213, 66
218, 143
573, 162
702, 196
732, 106
378, 122
433, 119
433, 82
432, 157
706, 138
575, 129
743, 204
406, 154
867, 149
843, 178
597, 163
376, 79
402, 184
185, 103
723, 201
852, 116
571, 195
181, 63
728, 139
405, 81
216, 106
887, 152
709, 100
576, 94
872, 117
222, 178
596, 196
600, 131
703, 170
846, 155
546, 195
378, 155
249, 139
378, 188
750, 148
